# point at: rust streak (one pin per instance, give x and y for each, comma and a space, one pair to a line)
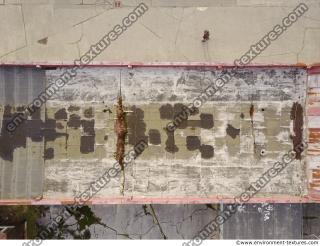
121, 132
297, 117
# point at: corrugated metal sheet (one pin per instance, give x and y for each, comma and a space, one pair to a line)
21, 165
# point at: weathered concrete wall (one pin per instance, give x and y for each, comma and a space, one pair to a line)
217, 152
234, 138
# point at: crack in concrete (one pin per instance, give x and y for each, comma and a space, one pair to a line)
151, 31
154, 217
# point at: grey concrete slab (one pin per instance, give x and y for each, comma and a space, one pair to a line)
265, 221
311, 221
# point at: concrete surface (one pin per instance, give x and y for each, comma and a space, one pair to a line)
54, 31
226, 161
138, 222
265, 221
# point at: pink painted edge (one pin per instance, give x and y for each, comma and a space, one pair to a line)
152, 64
176, 200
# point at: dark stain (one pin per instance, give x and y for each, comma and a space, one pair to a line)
73, 108
242, 116
107, 110
87, 144
154, 137
43, 41
88, 113
193, 142
88, 127
59, 125
166, 112
61, 114
35, 129
20, 108
74, 121
206, 121
297, 117
160, 97
136, 126
232, 132
105, 138
170, 144
207, 151
37, 114
173, 98
251, 111
88, 140
49, 154
194, 123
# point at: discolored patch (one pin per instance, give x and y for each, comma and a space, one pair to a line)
193, 142
206, 121
36, 115
73, 108
20, 108
61, 114
166, 112
88, 113
154, 137
43, 41
242, 116
88, 127
74, 121
36, 130
170, 144
87, 144
136, 126
105, 138
207, 151
232, 132
59, 125
49, 154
